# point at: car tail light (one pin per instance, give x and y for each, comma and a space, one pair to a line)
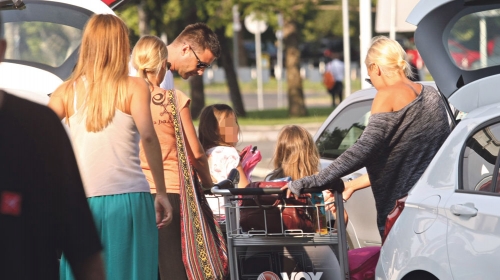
393, 216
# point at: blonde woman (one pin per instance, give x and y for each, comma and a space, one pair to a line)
407, 126
108, 113
149, 58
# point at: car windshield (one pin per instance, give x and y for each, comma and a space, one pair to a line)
41, 34
474, 40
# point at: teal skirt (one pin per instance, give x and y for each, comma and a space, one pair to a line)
127, 228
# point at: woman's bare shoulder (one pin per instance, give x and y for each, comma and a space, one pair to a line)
60, 90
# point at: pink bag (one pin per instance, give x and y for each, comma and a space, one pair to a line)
249, 158
362, 262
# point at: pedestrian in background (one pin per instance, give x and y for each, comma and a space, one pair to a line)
150, 59
407, 126
42, 202
108, 112
335, 67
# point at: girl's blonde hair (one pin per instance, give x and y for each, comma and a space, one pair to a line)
295, 155
103, 67
208, 128
389, 56
148, 56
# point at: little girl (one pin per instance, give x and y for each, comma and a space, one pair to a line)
218, 132
296, 156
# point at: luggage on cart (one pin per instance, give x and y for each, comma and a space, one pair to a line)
362, 262
277, 251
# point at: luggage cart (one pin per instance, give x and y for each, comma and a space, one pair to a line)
286, 255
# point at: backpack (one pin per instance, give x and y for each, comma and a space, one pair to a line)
328, 80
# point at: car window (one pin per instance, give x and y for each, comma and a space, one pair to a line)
480, 158
44, 33
474, 40
344, 130
41, 42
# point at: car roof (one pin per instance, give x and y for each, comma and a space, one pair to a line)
435, 19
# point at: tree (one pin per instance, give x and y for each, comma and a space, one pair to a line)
296, 13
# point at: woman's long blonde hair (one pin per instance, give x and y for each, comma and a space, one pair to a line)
148, 56
389, 56
103, 67
295, 155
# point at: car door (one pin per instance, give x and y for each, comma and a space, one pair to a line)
473, 210
342, 129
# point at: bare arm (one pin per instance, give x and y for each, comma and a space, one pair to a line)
243, 178
91, 268
141, 113
195, 150
56, 102
355, 185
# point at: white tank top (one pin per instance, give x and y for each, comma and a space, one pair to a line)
108, 160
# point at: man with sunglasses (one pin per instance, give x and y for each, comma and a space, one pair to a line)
194, 50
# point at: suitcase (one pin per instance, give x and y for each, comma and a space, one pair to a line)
362, 262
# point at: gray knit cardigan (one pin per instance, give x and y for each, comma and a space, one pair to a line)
395, 148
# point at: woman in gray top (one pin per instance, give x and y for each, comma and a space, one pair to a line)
407, 126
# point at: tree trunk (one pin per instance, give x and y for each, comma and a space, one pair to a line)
197, 96
242, 53
296, 103
195, 82
232, 79
142, 12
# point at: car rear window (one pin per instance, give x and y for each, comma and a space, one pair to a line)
474, 40
41, 42
45, 32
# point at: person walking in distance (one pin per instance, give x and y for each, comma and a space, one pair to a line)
108, 113
336, 68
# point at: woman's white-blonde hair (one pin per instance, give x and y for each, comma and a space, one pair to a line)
389, 56
148, 56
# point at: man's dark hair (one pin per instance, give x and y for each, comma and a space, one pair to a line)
200, 35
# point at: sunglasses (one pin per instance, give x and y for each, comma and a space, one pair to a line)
368, 80
200, 64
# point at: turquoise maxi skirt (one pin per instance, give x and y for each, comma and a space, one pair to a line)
127, 228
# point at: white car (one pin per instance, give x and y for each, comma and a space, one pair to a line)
450, 225
43, 39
